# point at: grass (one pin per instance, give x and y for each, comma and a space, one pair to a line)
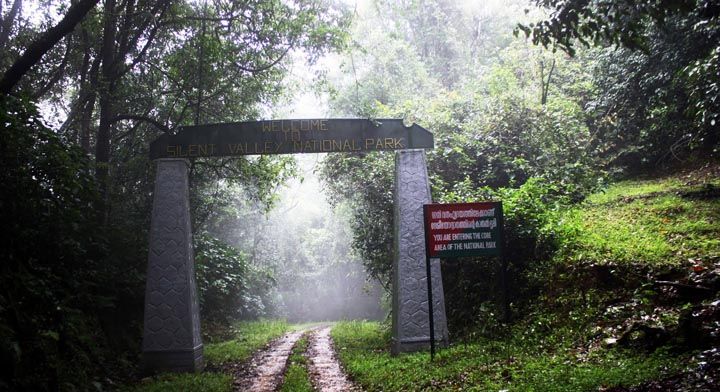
641, 222
634, 188
490, 365
297, 378
249, 336
200, 382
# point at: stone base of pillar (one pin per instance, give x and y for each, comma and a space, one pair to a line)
416, 344
190, 361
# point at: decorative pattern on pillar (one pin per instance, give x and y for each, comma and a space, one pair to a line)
171, 333
411, 325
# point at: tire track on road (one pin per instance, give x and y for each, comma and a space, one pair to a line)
264, 372
323, 366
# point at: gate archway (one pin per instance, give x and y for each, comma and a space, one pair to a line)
171, 331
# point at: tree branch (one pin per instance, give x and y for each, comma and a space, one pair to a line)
44, 43
136, 117
56, 74
266, 66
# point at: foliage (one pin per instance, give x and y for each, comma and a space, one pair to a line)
656, 103
190, 382
505, 147
297, 378
53, 285
305, 268
489, 365
229, 288
490, 131
486, 287
511, 143
247, 337
370, 203
618, 22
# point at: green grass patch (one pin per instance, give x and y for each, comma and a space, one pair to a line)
630, 189
188, 382
641, 222
249, 337
490, 365
297, 378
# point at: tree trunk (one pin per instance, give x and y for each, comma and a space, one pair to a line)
106, 93
88, 90
545, 85
7, 22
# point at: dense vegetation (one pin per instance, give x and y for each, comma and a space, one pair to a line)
582, 95
611, 96
77, 187
629, 297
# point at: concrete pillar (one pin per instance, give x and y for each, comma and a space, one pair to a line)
171, 332
410, 323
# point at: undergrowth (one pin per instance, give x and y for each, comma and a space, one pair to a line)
482, 365
627, 296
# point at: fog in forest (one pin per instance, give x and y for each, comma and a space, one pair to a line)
319, 277
303, 241
299, 244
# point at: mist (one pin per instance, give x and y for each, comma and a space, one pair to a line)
318, 276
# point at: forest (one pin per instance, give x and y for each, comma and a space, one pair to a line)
596, 123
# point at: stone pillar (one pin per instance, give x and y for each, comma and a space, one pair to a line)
410, 323
171, 332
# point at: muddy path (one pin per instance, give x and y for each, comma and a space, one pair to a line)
323, 366
264, 372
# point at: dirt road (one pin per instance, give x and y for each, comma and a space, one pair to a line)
265, 371
324, 368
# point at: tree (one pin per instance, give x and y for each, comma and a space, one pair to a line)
677, 43
44, 43
128, 72
597, 22
51, 296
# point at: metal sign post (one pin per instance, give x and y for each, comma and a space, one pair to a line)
429, 286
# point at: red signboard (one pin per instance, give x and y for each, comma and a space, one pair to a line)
463, 229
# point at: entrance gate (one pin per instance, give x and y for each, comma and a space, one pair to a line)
171, 332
